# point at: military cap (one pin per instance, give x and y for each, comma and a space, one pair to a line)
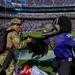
15, 21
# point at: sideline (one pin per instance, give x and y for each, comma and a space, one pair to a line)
26, 56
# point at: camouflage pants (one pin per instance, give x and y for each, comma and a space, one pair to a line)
10, 69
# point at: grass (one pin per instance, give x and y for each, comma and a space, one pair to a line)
43, 65
37, 35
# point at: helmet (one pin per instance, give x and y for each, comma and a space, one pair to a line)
48, 29
15, 21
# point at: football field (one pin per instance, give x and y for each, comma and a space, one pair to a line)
43, 63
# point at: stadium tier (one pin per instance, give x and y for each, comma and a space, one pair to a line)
40, 3
35, 12
30, 25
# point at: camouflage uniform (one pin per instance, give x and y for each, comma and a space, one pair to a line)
12, 39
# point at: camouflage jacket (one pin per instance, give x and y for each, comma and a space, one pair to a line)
13, 39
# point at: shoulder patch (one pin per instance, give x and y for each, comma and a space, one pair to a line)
17, 40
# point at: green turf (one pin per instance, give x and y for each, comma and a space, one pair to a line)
43, 65
37, 35
34, 34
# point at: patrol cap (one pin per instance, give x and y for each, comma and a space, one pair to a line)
15, 21
48, 29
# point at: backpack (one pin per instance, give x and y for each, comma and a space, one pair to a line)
3, 35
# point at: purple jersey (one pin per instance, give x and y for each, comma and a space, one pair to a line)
62, 45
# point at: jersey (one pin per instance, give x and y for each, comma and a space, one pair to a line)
62, 45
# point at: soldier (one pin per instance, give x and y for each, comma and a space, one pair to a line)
13, 39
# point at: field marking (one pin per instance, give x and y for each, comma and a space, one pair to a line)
26, 56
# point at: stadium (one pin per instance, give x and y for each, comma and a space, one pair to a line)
35, 13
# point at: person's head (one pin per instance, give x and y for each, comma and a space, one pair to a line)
64, 23
47, 29
16, 23
59, 25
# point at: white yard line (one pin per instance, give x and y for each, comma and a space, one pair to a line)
26, 56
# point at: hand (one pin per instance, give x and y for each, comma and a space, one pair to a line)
29, 40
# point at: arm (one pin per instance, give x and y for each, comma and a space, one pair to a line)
70, 40
17, 42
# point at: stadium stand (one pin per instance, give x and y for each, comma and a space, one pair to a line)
29, 25
45, 16
40, 3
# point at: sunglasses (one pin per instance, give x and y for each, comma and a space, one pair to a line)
17, 24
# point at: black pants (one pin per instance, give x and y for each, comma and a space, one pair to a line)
73, 67
62, 66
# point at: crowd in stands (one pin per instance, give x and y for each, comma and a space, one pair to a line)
4, 3
32, 3
37, 15
29, 25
